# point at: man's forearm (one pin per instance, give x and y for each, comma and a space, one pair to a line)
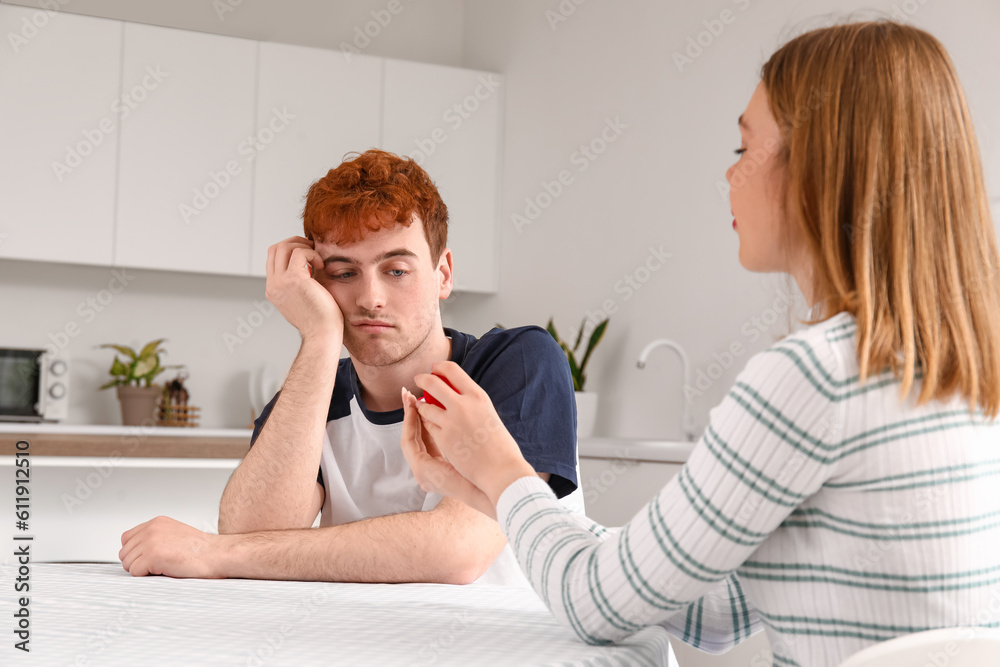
431, 547
274, 486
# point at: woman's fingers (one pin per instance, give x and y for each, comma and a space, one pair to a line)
419, 448
430, 414
430, 445
436, 387
456, 375
411, 440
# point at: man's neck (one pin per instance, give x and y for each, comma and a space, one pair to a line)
380, 385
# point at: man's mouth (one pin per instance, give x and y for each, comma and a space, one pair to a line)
372, 326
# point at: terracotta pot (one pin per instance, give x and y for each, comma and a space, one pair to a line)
138, 404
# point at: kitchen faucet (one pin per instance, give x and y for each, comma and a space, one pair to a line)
686, 425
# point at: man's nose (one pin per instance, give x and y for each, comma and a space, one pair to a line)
372, 294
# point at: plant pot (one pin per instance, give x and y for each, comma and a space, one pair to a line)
586, 413
138, 404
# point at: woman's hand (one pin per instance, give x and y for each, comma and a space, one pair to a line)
430, 468
467, 433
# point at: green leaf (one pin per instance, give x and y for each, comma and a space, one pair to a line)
118, 368
151, 348
579, 335
568, 352
127, 351
156, 371
112, 383
595, 338
144, 365
574, 370
551, 328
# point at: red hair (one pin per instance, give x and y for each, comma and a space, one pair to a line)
375, 190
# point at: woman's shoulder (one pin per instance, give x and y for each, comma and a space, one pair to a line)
821, 357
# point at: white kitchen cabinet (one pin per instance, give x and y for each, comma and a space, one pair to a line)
61, 78
185, 177
81, 505
158, 148
620, 475
334, 107
450, 121
615, 489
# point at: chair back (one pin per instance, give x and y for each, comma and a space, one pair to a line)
945, 647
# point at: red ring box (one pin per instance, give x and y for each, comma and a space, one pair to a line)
427, 398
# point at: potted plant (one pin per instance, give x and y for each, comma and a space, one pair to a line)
133, 377
586, 401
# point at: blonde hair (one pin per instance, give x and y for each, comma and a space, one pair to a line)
885, 183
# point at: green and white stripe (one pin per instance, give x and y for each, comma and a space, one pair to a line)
847, 516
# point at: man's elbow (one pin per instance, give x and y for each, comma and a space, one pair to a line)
229, 524
464, 568
243, 520
232, 519
459, 576
228, 528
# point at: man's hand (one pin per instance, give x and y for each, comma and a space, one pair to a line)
169, 547
292, 288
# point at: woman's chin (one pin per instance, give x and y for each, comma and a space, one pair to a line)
755, 265
745, 261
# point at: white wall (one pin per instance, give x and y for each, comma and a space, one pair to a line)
657, 183
43, 301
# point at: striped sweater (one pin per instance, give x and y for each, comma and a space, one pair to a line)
822, 510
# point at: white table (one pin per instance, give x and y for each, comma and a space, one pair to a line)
97, 614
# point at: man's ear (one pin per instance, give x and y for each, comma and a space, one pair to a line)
446, 270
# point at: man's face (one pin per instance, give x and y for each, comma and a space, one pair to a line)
388, 290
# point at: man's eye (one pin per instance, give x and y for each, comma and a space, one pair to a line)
343, 276
397, 273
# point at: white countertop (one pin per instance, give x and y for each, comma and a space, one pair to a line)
603, 447
245, 621
108, 429
638, 449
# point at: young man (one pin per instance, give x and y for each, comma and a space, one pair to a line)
369, 275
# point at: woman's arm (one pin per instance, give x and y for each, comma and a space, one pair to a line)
767, 448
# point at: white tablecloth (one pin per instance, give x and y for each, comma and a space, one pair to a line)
97, 614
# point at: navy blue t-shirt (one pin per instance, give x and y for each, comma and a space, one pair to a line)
525, 373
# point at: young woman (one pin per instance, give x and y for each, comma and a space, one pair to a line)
845, 491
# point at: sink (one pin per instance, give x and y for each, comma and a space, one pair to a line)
636, 449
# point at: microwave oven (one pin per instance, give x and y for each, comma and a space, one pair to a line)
34, 385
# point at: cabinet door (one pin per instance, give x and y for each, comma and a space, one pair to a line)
187, 141
333, 107
450, 120
615, 489
82, 504
60, 75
